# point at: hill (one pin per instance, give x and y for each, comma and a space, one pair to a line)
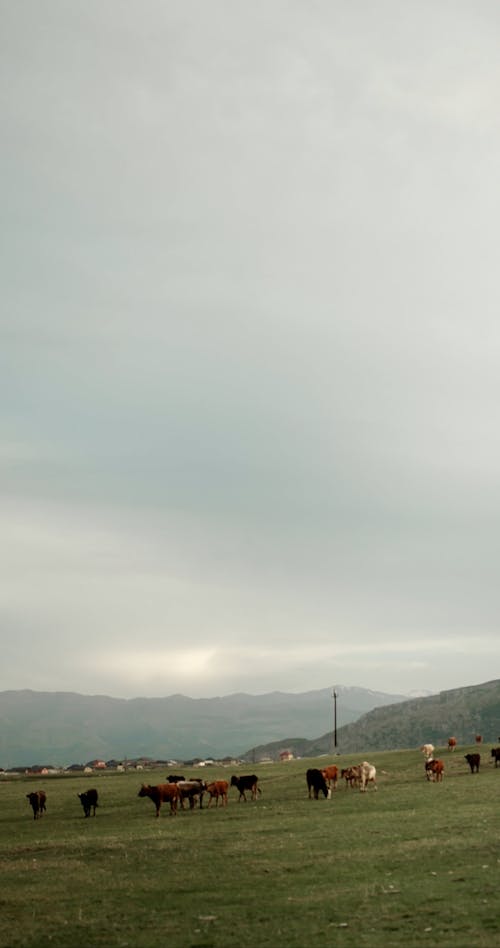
61, 728
461, 712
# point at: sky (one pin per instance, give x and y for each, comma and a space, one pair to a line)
249, 345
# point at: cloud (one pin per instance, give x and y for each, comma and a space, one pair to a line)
249, 346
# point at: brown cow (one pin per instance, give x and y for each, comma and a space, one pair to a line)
161, 793
452, 743
37, 802
478, 739
434, 770
218, 788
352, 776
331, 775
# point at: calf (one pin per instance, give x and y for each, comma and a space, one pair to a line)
37, 800
331, 775
434, 770
191, 790
368, 775
161, 793
218, 788
352, 776
427, 750
88, 799
317, 783
452, 743
246, 782
473, 761
495, 753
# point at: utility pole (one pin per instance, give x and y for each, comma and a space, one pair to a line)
334, 696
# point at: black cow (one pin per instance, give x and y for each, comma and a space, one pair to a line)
317, 783
473, 761
37, 802
495, 753
246, 782
88, 799
174, 778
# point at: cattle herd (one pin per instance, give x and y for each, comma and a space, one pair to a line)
324, 781
177, 791
434, 769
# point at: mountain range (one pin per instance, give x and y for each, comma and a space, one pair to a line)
61, 728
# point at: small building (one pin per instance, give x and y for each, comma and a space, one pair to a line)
286, 755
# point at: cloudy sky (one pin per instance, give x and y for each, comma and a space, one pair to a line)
250, 345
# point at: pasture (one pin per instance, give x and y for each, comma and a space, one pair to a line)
415, 863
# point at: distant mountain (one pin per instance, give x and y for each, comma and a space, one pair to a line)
62, 728
461, 713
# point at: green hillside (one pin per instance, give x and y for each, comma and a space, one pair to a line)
461, 712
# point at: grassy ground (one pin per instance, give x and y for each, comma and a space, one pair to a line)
415, 863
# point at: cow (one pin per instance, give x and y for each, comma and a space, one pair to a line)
434, 770
427, 750
88, 799
478, 739
368, 775
246, 782
495, 753
473, 761
331, 775
161, 793
37, 799
191, 790
452, 743
174, 778
317, 784
352, 776
216, 789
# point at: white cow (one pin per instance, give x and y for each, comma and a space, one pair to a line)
427, 750
368, 775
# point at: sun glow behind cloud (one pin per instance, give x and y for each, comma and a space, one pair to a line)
187, 665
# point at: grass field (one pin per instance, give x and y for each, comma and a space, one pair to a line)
415, 863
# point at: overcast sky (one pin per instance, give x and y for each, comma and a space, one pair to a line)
250, 345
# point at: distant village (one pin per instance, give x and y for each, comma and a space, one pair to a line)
138, 764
